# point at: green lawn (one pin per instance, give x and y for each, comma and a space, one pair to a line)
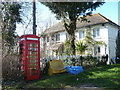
102, 76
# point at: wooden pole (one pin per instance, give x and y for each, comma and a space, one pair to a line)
0, 47
34, 17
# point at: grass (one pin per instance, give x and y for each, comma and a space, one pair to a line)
102, 76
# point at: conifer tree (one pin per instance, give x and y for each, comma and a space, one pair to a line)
69, 13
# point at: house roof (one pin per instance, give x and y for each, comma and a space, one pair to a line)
55, 28
91, 20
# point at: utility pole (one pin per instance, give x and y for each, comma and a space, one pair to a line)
34, 17
119, 13
0, 47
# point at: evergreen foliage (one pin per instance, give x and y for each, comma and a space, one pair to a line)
69, 13
10, 16
81, 47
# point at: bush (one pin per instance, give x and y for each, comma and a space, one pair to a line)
86, 61
44, 66
103, 60
71, 61
11, 68
89, 61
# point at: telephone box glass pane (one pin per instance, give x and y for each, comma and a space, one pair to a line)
33, 56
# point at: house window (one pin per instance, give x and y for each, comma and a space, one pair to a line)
57, 37
96, 32
47, 39
97, 50
66, 35
82, 34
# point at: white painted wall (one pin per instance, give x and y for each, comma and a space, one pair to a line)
77, 36
62, 36
112, 35
103, 37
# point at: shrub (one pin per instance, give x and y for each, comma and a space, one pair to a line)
103, 60
86, 61
44, 66
89, 61
71, 61
11, 68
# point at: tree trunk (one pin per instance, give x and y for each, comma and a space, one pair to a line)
71, 33
72, 42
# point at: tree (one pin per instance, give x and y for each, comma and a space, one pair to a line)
118, 44
81, 47
69, 13
11, 16
67, 49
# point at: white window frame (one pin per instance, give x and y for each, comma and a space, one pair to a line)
96, 32
81, 34
66, 35
57, 40
47, 39
97, 50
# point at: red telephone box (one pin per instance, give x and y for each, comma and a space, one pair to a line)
30, 56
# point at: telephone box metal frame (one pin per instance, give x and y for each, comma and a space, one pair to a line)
30, 56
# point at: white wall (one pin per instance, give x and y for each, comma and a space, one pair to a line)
77, 36
62, 36
103, 37
112, 35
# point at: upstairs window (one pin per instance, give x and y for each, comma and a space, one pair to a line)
57, 37
47, 39
82, 34
66, 35
96, 32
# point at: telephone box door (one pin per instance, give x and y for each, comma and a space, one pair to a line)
33, 62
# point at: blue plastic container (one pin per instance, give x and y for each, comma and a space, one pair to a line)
74, 69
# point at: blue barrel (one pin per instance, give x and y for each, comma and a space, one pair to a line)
74, 69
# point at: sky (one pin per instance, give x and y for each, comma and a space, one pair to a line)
45, 19
109, 10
